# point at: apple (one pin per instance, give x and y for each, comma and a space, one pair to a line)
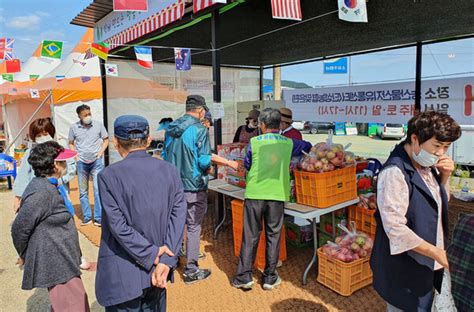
330, 155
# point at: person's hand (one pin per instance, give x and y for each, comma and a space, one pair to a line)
159, 277
161, 251
20, 262
233, 164
441, 258
211, 170
99, 155
445, 166
16, 204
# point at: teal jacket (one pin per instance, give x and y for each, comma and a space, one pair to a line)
187, 147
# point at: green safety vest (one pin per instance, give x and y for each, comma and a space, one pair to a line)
269, 175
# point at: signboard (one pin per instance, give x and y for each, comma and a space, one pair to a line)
336, 66
118, 21
381, 103
218, 110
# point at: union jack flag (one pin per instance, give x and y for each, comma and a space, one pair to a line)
6, 48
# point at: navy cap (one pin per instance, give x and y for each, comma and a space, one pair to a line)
195, 101
128, 127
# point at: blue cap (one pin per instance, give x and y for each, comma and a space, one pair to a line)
128, 127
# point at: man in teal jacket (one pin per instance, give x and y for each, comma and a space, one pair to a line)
187, 147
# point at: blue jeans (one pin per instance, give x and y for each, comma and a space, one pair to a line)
83, 172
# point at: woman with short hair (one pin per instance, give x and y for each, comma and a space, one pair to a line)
409, 254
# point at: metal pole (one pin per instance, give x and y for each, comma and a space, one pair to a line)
104, 105
419, 58
261, 83
51, 107
5, 124
350, 70
27, 123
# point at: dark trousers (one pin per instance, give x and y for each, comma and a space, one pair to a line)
271, 212
152, 300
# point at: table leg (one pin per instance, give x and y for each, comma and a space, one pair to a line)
315, 255
219, 202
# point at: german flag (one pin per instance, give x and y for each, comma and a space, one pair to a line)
101, 49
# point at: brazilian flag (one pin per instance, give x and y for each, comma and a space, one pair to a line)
52, 49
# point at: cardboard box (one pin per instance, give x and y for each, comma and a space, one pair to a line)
232, 151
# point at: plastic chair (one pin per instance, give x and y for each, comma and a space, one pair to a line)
8, 173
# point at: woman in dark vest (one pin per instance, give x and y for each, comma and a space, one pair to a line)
412, 226
245, 132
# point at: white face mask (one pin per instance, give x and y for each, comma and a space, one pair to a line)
424, 158
87, 120
44, 138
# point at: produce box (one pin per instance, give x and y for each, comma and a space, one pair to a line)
299, 236
232, 151
363, 218
344, 278
365, 182
323, 238
237, 223
325, 189
325, 223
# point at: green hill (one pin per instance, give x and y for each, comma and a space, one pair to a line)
287, 83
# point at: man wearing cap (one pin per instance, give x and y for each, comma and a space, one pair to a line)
286, 129
142, 224
189, 150
245, 132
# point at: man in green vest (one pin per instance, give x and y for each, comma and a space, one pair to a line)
268, 187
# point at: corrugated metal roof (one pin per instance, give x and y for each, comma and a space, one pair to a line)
93, 13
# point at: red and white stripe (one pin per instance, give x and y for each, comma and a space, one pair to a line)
199, 5
287, 9
164, 17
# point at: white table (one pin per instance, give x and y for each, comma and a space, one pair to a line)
292, 209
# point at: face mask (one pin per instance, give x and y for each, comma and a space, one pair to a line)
253, 125
425, 159
87, 120
44, 138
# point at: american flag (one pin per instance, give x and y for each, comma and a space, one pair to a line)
287, 9
89, 54
199, 5
6, 48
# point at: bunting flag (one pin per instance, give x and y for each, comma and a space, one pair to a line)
130, 5
144, 57
353, 10
12, 66
182, 58
60, 78
101, 49
52, 49
287, 9
34, 77
88, 55
85, 79
199, 5
6, 48
79, 62
34, 93
7, 77
111, 70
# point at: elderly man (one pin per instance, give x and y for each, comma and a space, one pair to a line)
286, 129
143, 223
268, 187
90, 139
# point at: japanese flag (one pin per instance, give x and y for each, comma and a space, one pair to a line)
353, 10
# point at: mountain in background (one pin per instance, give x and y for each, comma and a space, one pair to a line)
287, 83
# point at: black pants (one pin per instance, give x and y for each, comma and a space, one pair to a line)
272, 214
153, 299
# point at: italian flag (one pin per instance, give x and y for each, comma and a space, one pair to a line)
100, 49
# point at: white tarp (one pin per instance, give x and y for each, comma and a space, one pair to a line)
383, 103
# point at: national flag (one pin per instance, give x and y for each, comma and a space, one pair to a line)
111, 70
52, 49
7, 77
34, 93
34, 77
182, 58
101, 49
199, 5
130, 5
6, 48
12, 91
88, 54
12, 66
287, 9
85, 79
144, 57
79, 62
60, 78
353, 10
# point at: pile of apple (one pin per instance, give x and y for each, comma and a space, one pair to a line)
325, 157
349, 247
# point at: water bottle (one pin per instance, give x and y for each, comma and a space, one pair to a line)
465, 188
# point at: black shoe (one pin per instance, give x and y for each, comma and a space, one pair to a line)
272, 286
239, 285
197, 276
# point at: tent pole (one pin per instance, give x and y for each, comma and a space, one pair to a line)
51, 107
27, 123
261, 83
419, 58
5, 125
105, 115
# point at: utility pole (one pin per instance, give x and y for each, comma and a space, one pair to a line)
277, 83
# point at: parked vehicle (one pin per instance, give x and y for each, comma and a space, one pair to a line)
314, 127
298, 125
391, 131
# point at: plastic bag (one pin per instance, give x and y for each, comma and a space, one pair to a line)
359, 243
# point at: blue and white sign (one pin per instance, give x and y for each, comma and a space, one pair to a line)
336, 66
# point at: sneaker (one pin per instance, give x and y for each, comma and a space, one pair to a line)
247, 286
84, 223
84, 264
97, 223
199, 275
272, 286
279, 264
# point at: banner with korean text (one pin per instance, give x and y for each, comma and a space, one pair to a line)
383, 103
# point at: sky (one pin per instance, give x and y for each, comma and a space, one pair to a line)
31, 21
